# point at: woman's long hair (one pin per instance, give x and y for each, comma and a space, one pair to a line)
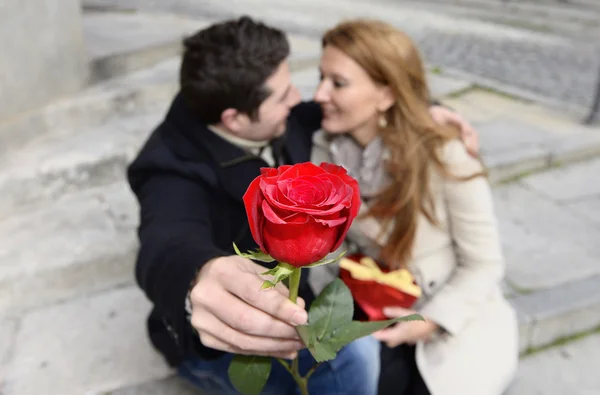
413, 139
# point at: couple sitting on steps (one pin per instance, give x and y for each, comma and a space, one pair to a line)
237, 111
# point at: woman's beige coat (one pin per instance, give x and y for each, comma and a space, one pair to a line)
459, 266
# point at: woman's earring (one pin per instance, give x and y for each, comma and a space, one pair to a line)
382, 121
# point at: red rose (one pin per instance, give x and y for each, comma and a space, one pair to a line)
299, 214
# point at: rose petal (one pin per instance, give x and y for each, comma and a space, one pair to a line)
273, 193
332, 222
300, 245
301, 169
270, 215
306, 191
341, 199
317, 211
297, 218
253, 199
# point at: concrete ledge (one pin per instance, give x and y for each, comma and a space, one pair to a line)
89, 345
147, 91
51, 168
173, 385
559, 312
109, 66
152, 38
61, 251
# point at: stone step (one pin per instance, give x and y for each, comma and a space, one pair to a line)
575, 22
555, 9
569, 368
145, 91
55, 165
549, 315
121, 42
83, 242
90, 345
152, 38
173, 385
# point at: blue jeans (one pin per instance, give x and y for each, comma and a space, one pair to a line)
355, 371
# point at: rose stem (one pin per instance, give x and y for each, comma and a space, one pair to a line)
294, 285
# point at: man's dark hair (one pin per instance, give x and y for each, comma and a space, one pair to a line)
226, 66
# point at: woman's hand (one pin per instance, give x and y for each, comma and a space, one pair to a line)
405, 332
443, 116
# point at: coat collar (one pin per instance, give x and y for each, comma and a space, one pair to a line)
192, 140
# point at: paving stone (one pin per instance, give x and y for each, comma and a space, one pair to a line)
588, 208
442, 85
578, 146
56, 165
543, 243
561, 311
60, 251
8, 331
146, 91
121, 204
506, 165
526, 323
506, 134
169, 386
569, 369
104, 32
568, 183
85, 346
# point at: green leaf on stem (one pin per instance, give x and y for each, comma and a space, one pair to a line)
330, 326
249, 373
257, 255
331, 309
327, 261
279, 272
356, 329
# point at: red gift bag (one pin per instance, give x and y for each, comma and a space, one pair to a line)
374, 287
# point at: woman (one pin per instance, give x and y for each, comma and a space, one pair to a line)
428, 208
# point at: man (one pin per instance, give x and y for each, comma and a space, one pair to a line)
237, 111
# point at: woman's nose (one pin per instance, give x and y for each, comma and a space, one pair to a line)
322, 93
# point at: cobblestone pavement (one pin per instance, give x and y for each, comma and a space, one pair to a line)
558, 68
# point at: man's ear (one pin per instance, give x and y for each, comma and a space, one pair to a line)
386, 98
234, 121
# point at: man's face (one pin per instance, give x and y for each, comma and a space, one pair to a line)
273, 112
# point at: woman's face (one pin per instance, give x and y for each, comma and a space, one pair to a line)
351, 101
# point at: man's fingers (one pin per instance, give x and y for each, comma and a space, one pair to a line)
215, 334
270, 301
212, 342
242, 316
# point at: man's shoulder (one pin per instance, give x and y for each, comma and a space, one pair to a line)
158, 157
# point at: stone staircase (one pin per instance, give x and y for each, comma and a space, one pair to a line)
72, 321
577, 19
